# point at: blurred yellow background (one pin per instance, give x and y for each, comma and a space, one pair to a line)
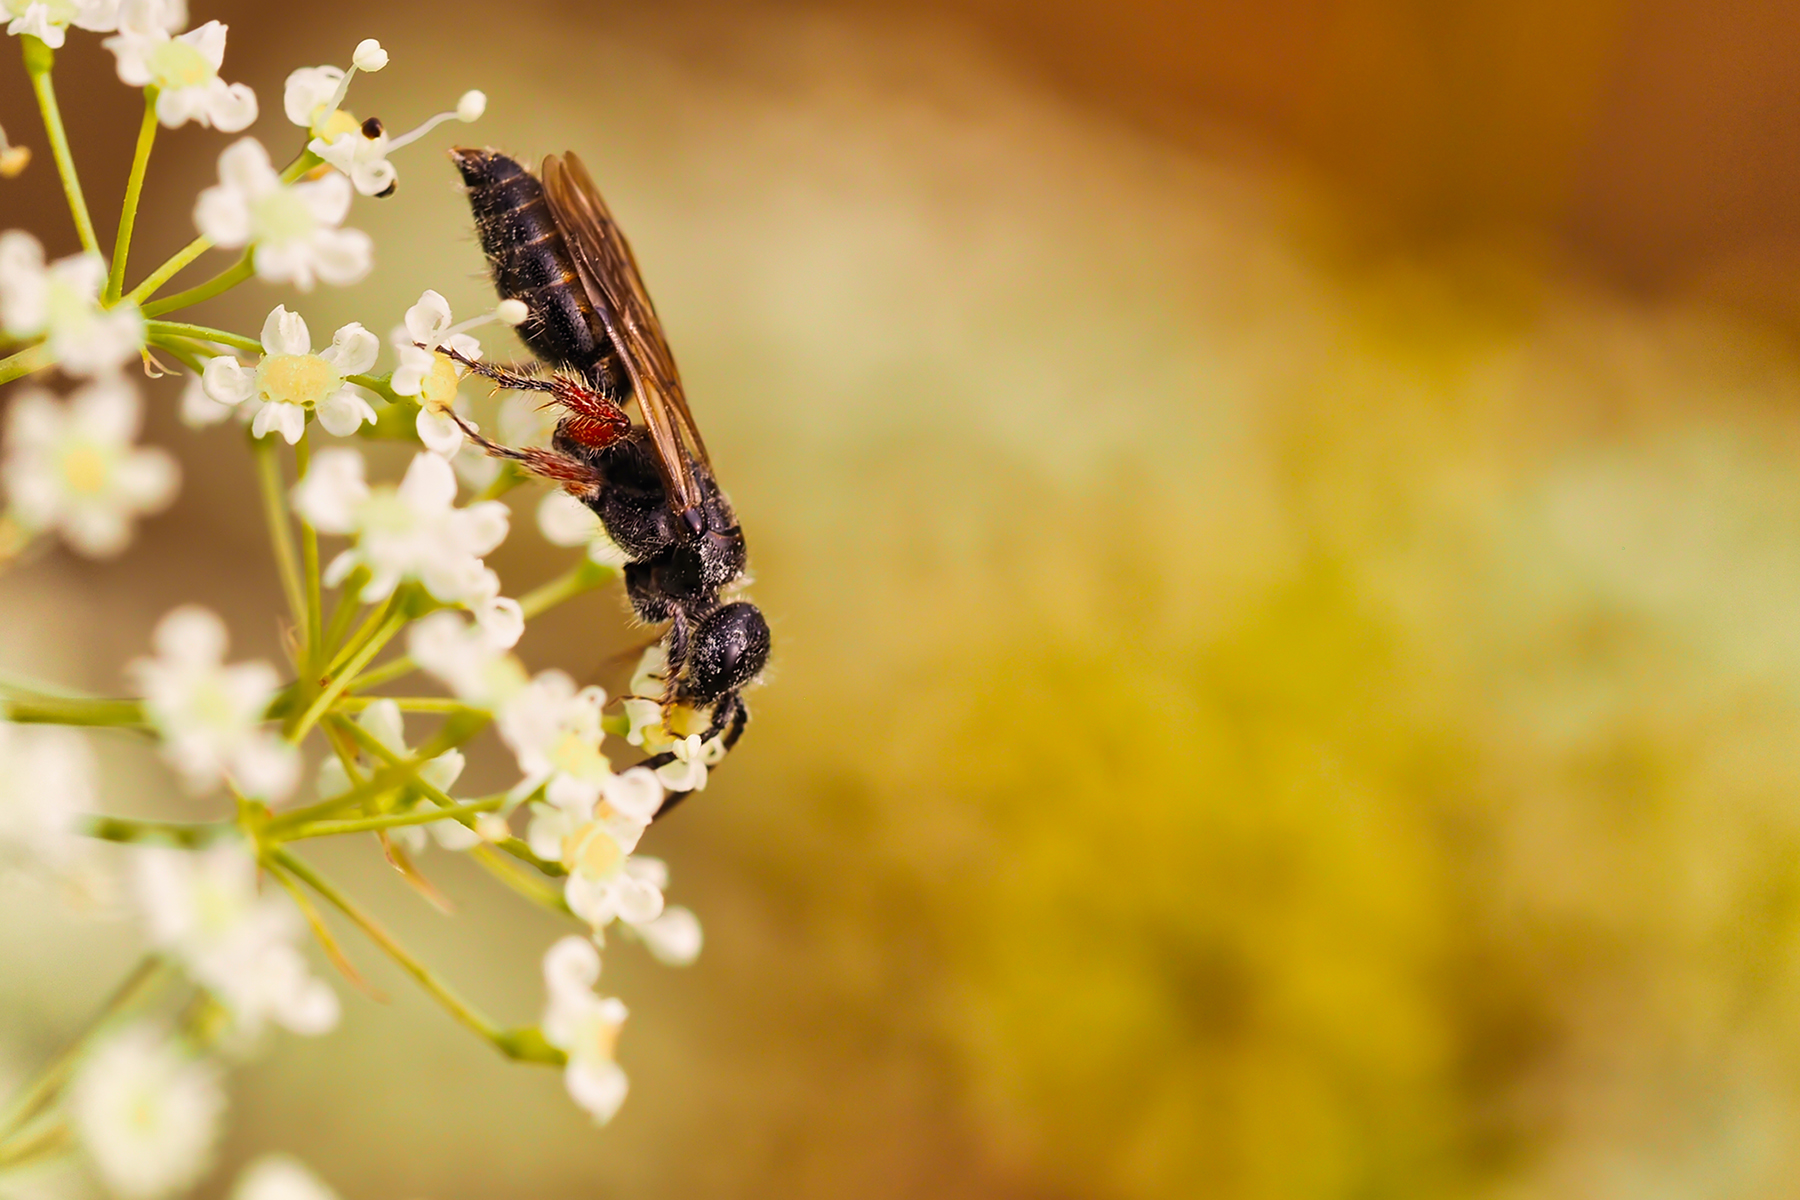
1282, 531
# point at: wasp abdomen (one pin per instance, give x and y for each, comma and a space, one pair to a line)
531, 262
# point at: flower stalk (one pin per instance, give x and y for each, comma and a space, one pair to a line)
39, 59
134, 188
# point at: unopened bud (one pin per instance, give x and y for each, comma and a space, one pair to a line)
369, 55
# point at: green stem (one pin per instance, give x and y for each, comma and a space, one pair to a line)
418, 704
455, 812
314, 656
39, 58
32, 1143
49, 710
281, 534
50, 1081
522, 1044
341, 679
134, 188
459, 728
345, 610
387, 672
187, 835
529, 886
158, 330
28, 361
584, 576
374, 747
224, 281
377, 617
174, 266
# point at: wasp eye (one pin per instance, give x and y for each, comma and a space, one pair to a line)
371, 128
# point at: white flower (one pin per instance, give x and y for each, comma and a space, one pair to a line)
554, 731
290, 378
585, 1026
147, 1112
203, 908
47, 20
184, 70
210, 716
673, 938
46, 782
306, 96
361, 151
279, 1177
593, 837
293, 227
72, 466
471, 659
414, 531
430, 375
384, 722
61, 303
687, 773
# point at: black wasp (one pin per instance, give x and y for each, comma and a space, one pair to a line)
551, 243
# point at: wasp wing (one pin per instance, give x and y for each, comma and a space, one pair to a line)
609, 274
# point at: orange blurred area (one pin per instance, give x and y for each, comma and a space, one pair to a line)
1280, 530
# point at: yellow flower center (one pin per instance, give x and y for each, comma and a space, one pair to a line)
175, 64
85, 469
295, 378
439, 387
339, 122
591, 851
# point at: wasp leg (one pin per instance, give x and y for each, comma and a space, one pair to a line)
577, 477
678, 644
595, 420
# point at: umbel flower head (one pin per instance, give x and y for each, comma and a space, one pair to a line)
290, 379
293, 227
71, 466
184, 70
61, 303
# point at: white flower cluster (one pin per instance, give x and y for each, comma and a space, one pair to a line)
144, 1102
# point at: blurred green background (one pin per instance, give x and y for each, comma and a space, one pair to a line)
1282, 530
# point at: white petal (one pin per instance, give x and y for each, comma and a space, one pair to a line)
232, 107
635, 793
289, 420
382, 720
227, 381
566, 521
190, 634
223, 214
441, 435
599, 1088
429, 484
427, 320
328, 198
342, 256
198, 408
306, 90
673, 938
332, 491
344, 411
285, 332
353, 350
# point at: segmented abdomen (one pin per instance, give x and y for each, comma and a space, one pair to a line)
530, 262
